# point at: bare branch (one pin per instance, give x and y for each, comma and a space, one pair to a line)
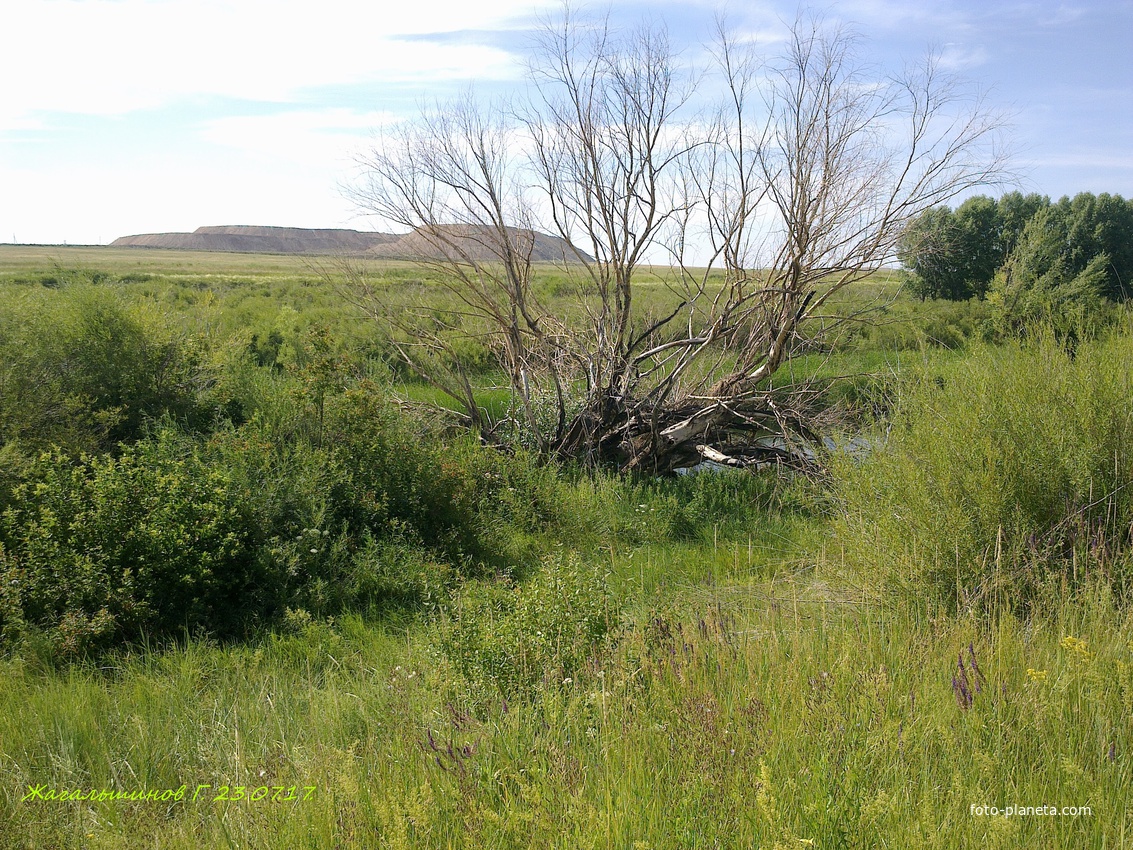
796, 185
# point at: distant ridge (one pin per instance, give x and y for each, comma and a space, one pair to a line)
243, 239
467, 242
476, 243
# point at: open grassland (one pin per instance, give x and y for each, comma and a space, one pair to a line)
231, 302
36, 261
735, 715
462, 648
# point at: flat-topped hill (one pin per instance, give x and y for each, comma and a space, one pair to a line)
467, 242
261, 240
475, 243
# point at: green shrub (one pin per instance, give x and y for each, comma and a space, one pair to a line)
1071, 307
472, 505
379, 511
1003, 470
106, 549
903, 323
82, 369
396, 571
217, 536
323, 538
512, 639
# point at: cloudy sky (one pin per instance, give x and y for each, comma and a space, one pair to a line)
139, 116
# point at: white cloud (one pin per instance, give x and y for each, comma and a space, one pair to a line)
898, 15
297, 63
1061, 16
962, 57
81, 205
1097, 160
328, 135
115, 56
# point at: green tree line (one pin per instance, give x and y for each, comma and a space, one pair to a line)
1033, 259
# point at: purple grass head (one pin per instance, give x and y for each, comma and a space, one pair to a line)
980, 679
960, 685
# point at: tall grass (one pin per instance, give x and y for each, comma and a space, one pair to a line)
775, 718
550, 657
1005, 473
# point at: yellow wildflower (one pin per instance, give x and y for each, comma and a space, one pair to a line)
1076, 645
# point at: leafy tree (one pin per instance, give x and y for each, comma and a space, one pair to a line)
926, 250
978, 243
1015, 210
1045, 281
1094, 226
1061, 241
955, 255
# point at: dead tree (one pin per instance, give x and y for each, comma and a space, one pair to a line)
799, 184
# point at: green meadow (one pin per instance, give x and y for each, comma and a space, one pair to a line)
257, 591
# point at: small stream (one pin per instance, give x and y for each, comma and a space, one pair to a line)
857, 447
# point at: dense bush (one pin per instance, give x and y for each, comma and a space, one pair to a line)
474, 505
83, 369
1069, 266
1071, 307
110, 548
1001, 472
182, 533
954, 255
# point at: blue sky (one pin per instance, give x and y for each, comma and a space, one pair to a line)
139, 116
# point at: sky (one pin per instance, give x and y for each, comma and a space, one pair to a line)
120, 117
